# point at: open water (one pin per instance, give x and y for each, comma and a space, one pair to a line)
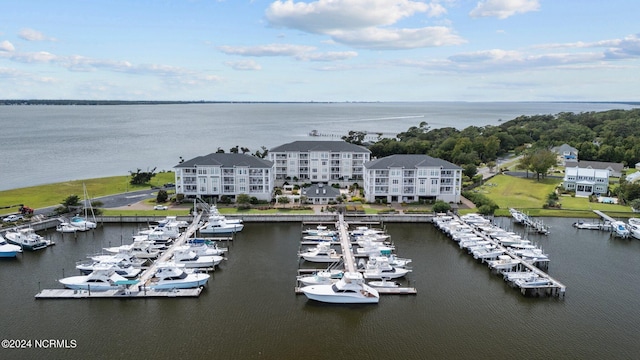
45, 144
249, 309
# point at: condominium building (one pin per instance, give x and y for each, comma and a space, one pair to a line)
221, 174
319, 161
412, 178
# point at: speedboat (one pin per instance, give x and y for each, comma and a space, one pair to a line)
27, 239
188, 258
532, 282
634, 230
379, 268
320, 230
321, 253
65, 227
321, 277
203, 249
208, 243
384, 283
620, 229
170, 275
142, 249
351, 289
8, 250
124, 257
102, 278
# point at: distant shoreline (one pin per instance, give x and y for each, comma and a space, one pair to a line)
23, 102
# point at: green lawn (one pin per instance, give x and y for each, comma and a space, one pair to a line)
53, 194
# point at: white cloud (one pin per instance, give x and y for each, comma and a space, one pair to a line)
503, 9
6, 46
389, 39
299, 52
266, 50
244, 65
363, 23
34, 35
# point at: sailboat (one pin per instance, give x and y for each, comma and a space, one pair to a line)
81, 222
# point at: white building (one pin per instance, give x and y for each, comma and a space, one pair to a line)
585, 181
411, 178
319, 162
221, 174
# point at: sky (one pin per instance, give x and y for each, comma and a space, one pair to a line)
323, 50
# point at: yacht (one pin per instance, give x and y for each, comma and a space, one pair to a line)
379, 268
350, 289
170, 275
203, 249
504, 262
121, 268
321, 277
219, 224
81, 223
8, 250
123, 256
142, 249
321, 253
27, 239
384, 283
102, 278
188, 258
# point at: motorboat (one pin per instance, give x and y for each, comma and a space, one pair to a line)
321, 277
379, 268
170, 275
320, 238
220, 225
181, 224
124, 256
320, 230
8, 250
634, 230
142, 249
122, 268
203, 249
384, 283
397, 262
65, 227
504, 262
321, 253
27, 239
518, 216
211, 244
620, 229
532, 282
373, 249
350, 289
102, 278
581, 224
188, 258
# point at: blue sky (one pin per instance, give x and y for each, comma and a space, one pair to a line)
324, 50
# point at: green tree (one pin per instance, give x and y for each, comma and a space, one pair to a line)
141, 177
441, 207
71, 200
541, 161
243, 199
162, 196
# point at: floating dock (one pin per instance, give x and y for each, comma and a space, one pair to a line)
139, 289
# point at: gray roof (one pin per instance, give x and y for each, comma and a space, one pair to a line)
564, 148
602, 165
329, 191
335, 146
409, 161
226, 160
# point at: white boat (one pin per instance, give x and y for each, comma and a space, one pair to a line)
210, 244
188, 258
65, 227
504, 262
121, 268
581, 224
173, 220
142, 249
102, 278
203, 249
532, 282
398, 262
379, 268
321, 253
620, 229
320, 230
351, 289
124, 257
384, 283
373, 248
172, 276
220, 225
518, 216
634, 230
8, 250
321, 277
81, 223
27, 239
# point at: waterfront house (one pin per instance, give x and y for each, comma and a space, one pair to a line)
586, 181
222, 174
412, 178
614, 169
319, 162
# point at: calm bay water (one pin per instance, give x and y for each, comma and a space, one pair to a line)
249, 309
44, 144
